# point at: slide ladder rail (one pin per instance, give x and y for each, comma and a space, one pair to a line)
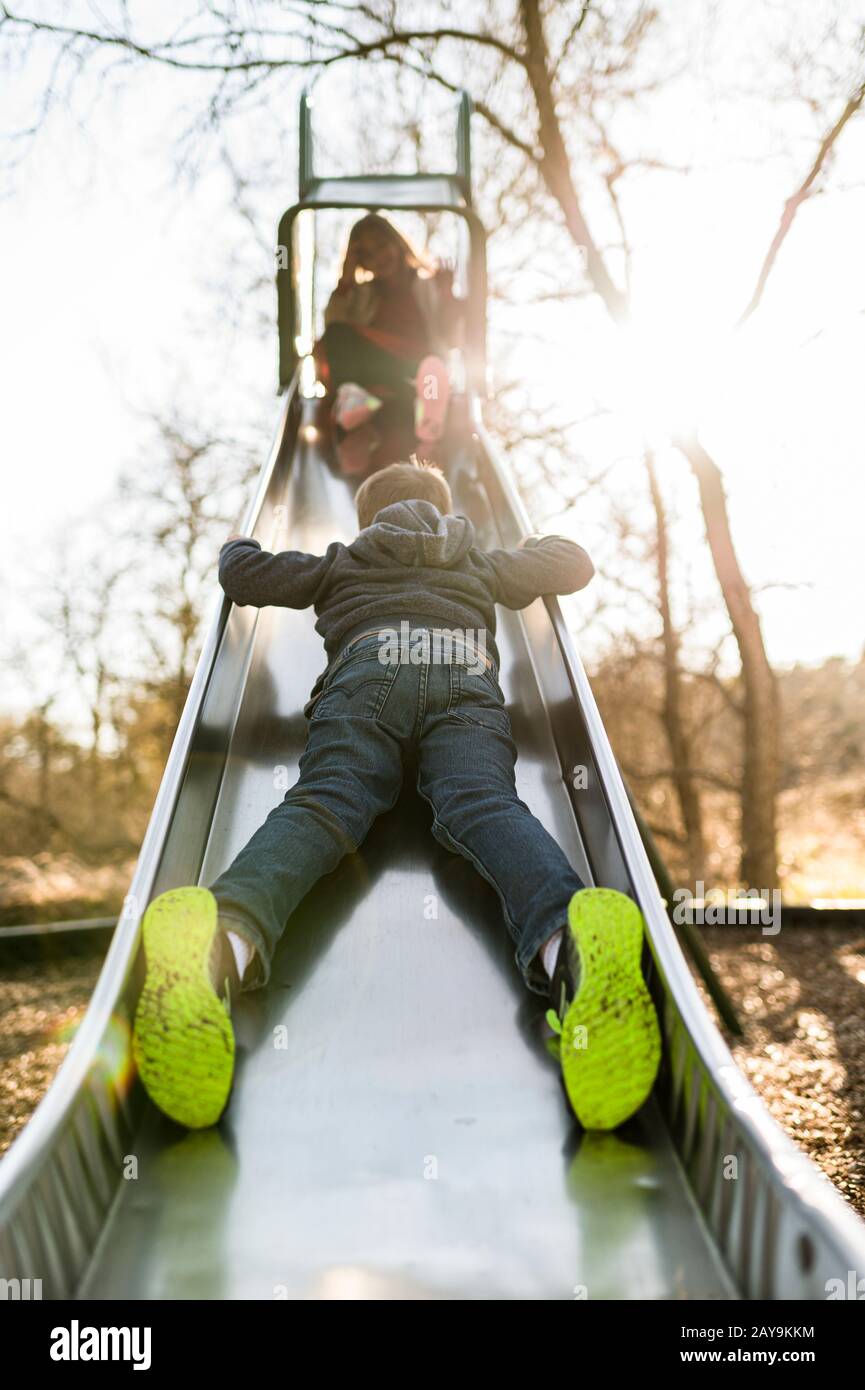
444, 192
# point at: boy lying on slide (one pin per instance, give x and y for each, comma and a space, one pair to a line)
413, 578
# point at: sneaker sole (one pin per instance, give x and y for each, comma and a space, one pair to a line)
182, 1040
611, 1042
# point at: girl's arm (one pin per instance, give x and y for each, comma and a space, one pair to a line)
346, 281
338, 308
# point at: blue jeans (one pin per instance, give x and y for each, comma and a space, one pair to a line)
450, 714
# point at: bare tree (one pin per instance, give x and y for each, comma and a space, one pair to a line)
521, 62
120, 612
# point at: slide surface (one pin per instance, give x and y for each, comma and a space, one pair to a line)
397, 1127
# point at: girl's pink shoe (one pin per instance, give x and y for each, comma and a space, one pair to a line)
432, 394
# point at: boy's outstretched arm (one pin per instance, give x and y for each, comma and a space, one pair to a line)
542, 565
251, 575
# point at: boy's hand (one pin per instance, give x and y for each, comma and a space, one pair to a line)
236, 537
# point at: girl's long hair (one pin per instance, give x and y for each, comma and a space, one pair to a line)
411, 257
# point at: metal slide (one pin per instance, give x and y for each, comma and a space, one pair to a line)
397, 1128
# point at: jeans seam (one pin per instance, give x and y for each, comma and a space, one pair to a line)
503, 732
466, 853
386, 689
513, 931
420, 712
455, 688
524, 955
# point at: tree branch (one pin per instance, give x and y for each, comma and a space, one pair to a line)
805, 190
555, 165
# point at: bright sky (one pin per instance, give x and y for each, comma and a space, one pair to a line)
108, 313
778, 403
107, 289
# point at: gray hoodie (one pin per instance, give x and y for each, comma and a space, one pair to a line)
411, 563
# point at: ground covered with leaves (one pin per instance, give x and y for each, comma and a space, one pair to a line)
42, 999
801, 999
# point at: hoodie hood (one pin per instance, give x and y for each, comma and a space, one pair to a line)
414, 534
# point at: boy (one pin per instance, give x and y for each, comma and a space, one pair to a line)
407, 614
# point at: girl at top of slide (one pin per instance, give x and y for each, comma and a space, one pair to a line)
389, 324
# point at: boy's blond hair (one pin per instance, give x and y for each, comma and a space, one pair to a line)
402, 482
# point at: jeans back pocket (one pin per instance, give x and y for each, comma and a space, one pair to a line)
476, 698
357, 686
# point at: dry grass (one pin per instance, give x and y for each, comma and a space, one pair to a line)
822, 840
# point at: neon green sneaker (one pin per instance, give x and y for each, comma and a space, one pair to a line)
609, 1039
182, 1040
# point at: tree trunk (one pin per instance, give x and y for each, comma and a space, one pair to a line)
677, 734
760, 778
760, 703
554, 164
